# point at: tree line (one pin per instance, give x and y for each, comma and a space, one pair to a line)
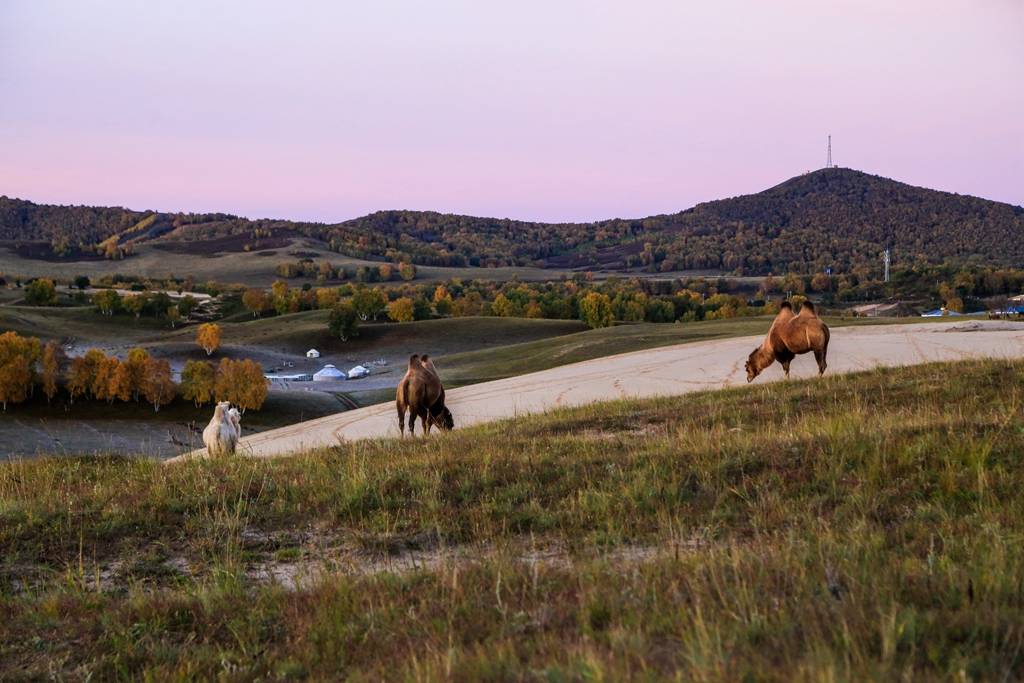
27, 365
832, 218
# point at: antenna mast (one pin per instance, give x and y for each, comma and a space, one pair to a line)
828, 162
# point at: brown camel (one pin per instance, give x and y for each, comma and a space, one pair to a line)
789, 336
421, 394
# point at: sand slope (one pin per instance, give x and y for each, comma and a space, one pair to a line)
656, 372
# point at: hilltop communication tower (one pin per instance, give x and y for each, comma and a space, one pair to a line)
828, 159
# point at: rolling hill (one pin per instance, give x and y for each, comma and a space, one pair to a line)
837, 218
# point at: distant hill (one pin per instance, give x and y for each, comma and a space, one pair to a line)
837, 218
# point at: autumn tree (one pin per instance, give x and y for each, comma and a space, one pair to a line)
157, 385
369, 302
401, 310
503, 307
197, 381
407, 271
121, 383
343, 321
173, 316
255, 301
83, 373
41, 292
134, 304
470, 304
280, 296
107, 301
255, 386
821, 282
326, 297
241, 383
135, 370
18, 356
793, 284
53, 359
596, 310
104, 382
208, 337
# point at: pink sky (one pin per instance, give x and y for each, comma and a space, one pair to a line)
551, 110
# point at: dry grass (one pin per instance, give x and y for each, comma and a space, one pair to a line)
863, 527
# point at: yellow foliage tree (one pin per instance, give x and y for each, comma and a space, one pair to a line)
242, 383
197, 381
157, 386
103, 382
401, 310
326, 297
18, 356
255, 301
53, 358
208, 337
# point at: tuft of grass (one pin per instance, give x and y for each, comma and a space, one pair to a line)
857, 527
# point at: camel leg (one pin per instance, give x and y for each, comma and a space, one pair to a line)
427, 423
785, 367
401, 421
820, 357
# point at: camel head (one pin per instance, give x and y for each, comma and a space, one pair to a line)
443, 419
758, 360
221, 409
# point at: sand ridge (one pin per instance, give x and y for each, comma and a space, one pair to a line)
661, 371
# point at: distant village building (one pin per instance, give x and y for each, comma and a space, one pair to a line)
312, 353
357, 372
328, 373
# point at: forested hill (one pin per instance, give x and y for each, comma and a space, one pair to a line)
832, 217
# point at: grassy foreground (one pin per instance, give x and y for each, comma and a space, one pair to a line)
862, 527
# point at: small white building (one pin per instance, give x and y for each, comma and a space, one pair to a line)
312, 353
357, 372
328, 373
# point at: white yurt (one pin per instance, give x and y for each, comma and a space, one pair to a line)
312, 353
328, 373
357, 372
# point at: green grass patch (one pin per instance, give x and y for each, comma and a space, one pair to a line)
856, 527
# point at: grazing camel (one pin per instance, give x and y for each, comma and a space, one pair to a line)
421, 395
789, 336
220, 436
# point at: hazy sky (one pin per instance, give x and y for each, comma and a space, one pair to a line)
555, 110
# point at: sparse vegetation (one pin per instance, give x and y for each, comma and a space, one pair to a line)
857, 527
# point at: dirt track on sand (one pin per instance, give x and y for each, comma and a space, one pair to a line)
659, 372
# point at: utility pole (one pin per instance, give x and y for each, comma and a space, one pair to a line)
828, 159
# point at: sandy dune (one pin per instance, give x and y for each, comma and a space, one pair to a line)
655, 372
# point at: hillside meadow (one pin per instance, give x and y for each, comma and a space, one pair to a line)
849, 528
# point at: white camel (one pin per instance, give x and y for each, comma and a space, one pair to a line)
221, 435
236, 420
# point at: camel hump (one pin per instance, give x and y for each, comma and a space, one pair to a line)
784, 306
414, 360
808, 306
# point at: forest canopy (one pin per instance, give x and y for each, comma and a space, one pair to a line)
831, 218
